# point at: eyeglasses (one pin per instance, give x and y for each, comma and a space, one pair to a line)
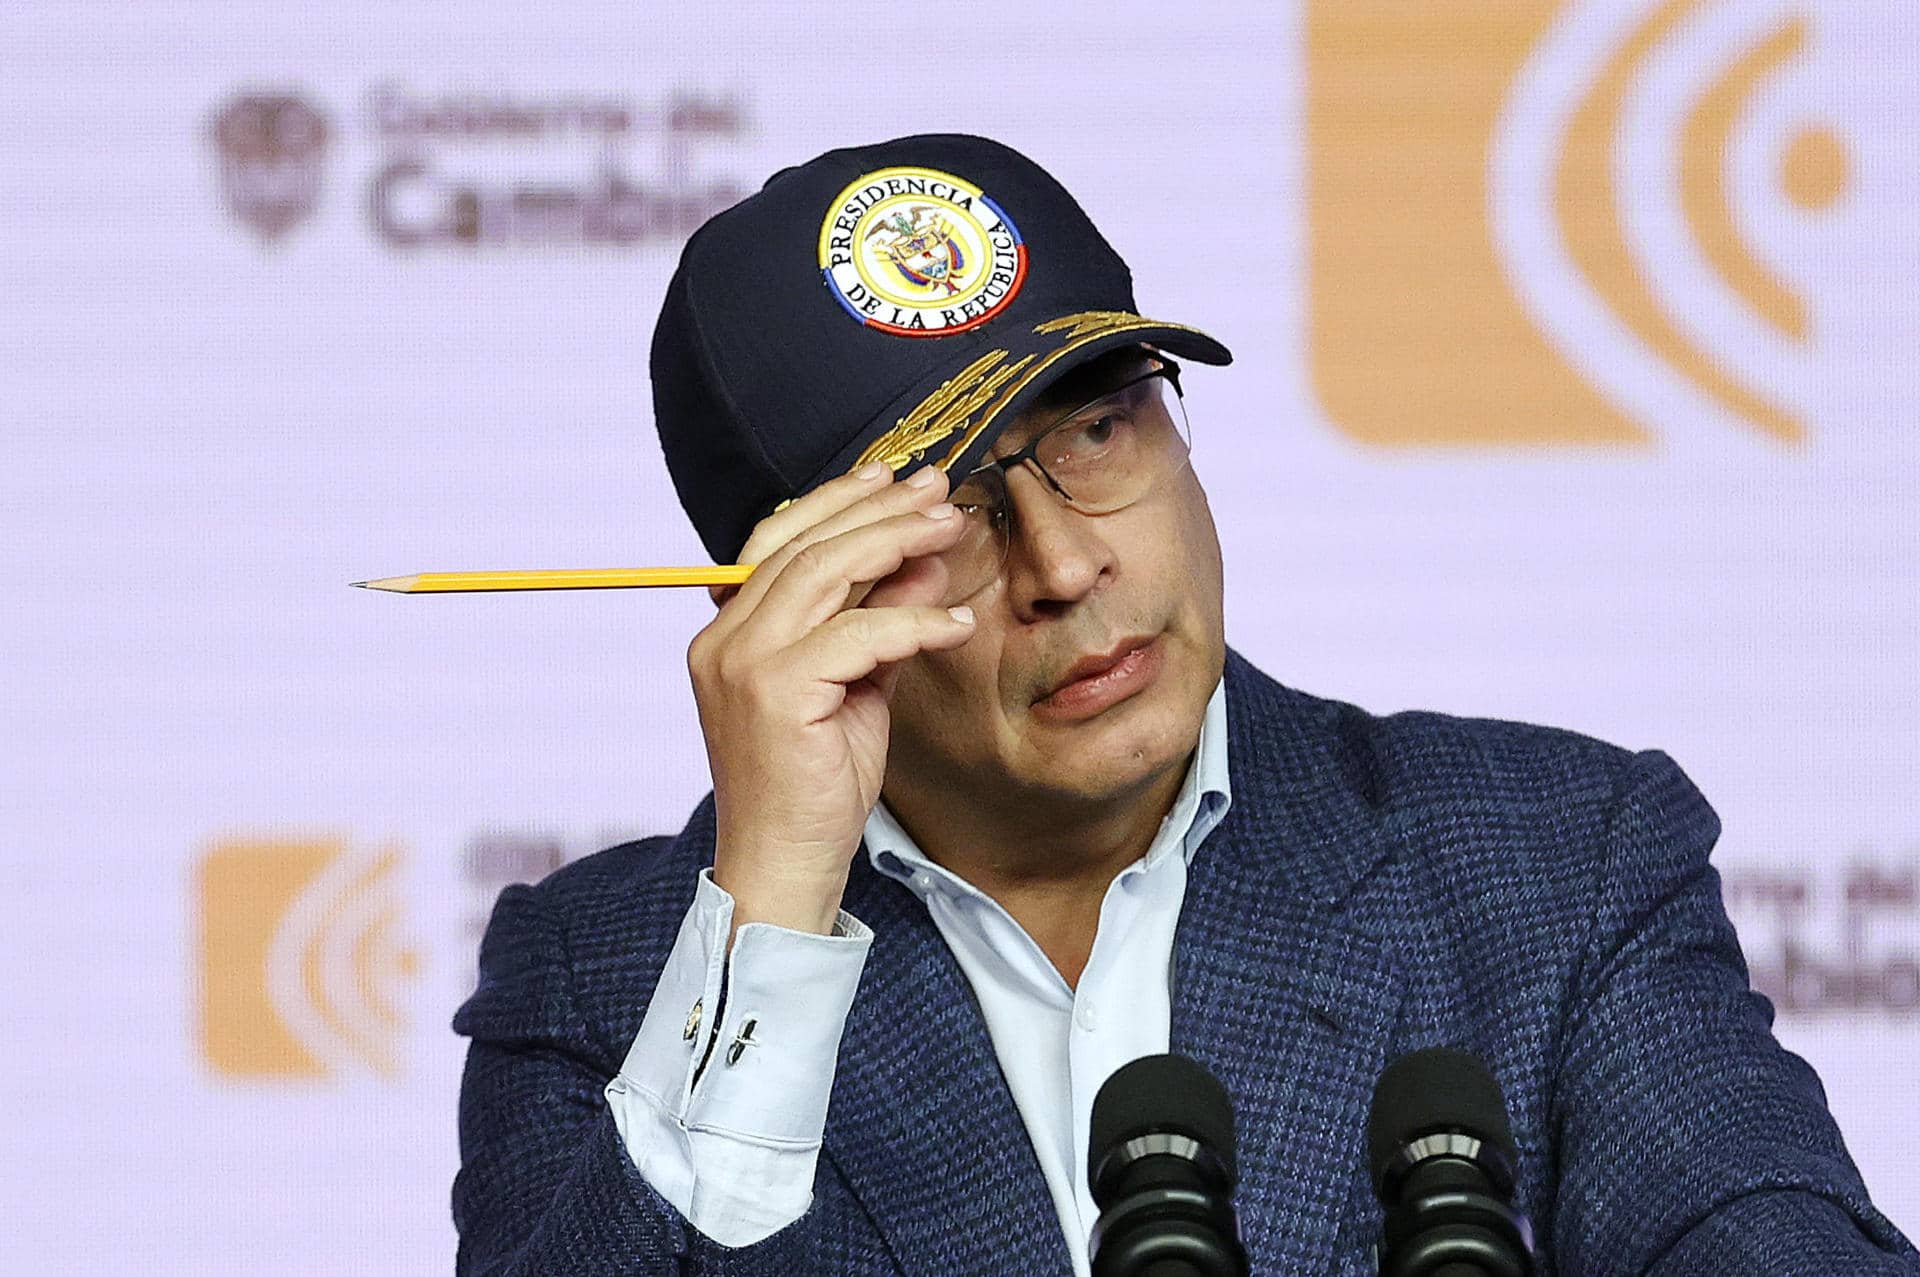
1097, 459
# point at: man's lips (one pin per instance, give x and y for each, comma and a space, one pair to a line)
1092, 666
1083, 682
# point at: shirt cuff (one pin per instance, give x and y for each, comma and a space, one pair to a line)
721, 1104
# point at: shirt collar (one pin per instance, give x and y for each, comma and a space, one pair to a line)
1201, 804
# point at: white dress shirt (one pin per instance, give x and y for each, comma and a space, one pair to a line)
724, 1121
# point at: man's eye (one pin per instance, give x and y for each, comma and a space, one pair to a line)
1092, 435
990, 513
973, 504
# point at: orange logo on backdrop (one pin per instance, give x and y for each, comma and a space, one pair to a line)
300, 961
1417, 339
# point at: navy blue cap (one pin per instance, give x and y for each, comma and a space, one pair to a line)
900, 302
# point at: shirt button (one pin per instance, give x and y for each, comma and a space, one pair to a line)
923, 880
1087, 1017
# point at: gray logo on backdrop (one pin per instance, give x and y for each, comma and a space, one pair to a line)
1832, 939
271, 146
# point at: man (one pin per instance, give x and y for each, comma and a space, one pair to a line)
995, 811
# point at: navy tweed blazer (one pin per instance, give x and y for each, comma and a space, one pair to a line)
1381, 884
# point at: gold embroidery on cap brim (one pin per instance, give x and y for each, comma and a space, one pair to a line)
1096, 323
1087, 326
967, 392
942, 412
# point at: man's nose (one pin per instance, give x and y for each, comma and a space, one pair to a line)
1058, 556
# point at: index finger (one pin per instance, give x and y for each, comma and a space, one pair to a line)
816, 506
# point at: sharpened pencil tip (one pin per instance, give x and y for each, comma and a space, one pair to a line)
361, 584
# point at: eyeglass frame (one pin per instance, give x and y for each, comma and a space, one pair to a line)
1166, 368
1031, 452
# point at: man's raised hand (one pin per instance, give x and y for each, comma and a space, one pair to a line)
792, 678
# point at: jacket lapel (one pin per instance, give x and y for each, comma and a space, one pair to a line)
922, 1126
1276, 991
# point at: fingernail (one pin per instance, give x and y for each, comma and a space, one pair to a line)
872, 471
942, 511
925, 477
964, 615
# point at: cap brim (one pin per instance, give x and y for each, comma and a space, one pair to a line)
952, 422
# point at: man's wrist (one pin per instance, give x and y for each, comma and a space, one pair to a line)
796, 901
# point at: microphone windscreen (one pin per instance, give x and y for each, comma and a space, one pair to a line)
1431, 1091
1167, 1094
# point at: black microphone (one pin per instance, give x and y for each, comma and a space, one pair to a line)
1443, 1164
1161, 1166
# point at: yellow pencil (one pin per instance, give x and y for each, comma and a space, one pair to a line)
561, 579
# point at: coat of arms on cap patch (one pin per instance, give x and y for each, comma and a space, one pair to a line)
920, 253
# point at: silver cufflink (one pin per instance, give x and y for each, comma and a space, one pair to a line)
693, 1023
741, 1042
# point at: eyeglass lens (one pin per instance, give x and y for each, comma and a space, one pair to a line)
1098, 459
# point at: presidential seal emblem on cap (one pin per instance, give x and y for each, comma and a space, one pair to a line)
920, 253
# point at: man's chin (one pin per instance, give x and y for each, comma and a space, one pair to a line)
1116, 752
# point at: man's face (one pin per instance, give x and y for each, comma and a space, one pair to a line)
1002, 718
